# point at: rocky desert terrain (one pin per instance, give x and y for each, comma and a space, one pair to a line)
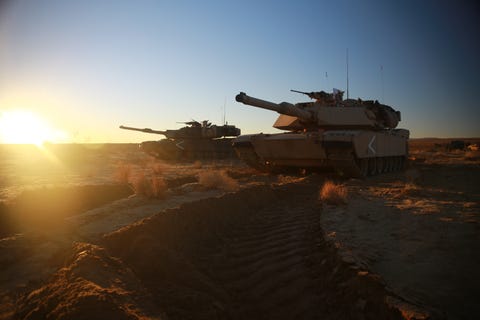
106, 232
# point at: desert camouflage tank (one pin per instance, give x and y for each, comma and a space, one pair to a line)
355, 138
195, 141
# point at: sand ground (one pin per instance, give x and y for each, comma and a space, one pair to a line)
422, 237
403, 246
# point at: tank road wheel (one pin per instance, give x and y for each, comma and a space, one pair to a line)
385, 164
397, 163
380, 165
403, 163
372, 166
394, 164
363, 167
388, 164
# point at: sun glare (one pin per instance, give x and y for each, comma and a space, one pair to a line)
26, 127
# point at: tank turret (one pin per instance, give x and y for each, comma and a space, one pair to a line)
328, 111
197, 140
194, 130
352, 137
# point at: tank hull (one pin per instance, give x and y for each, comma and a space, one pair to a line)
190, 149
353, 153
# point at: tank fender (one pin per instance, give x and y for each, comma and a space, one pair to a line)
338, 141
338, 138
361, 143
384, 143
366, 144
337, 145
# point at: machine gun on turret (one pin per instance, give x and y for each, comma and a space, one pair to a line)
322, 96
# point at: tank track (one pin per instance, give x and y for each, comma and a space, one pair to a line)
170, 150
246, 153
347, 165
344, 162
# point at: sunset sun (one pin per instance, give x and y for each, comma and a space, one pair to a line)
26, 127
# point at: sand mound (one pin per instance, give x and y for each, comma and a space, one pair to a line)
258, 253
160, 250
91, 280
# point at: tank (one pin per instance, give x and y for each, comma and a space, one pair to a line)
195, 141
352, 137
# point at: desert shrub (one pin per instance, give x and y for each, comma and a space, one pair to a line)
285, 179
197, 164
410, 189
455, 151
215, 179
154, 187
158, 167
159, 187
472, 155
332, 193
123, 173
421, 206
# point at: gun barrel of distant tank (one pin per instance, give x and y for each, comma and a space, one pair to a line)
282, 108
147, 130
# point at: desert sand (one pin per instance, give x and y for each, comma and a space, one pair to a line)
219, 240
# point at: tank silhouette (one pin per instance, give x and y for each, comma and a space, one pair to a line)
194, 141
355, 138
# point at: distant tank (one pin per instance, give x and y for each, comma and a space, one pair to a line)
194, 141
355, 138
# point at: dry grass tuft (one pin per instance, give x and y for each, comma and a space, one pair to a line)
158, 167
284, 179
332, 193
419, 207
149, 187
197, 164
214, 179
410, 189
123, 173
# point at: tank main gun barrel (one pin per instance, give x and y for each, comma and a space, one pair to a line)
282, 108
302, 92
147, 130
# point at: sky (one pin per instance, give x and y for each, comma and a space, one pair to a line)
86, 67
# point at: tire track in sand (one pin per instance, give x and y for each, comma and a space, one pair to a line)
255, 254
265, 264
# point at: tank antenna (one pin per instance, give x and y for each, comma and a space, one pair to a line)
383, 87
347, 73
224, 110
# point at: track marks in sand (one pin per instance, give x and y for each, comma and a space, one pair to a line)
256, 254
264, 263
